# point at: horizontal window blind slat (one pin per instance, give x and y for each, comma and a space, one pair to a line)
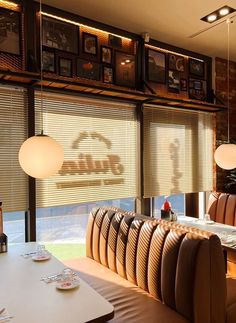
100, 141
13, 132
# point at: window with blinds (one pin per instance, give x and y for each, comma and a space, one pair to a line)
178, 153
100, 141
13, 132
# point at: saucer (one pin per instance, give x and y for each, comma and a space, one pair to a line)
65, 285
44, 257
209, 222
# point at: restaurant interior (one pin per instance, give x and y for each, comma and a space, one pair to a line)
117, 161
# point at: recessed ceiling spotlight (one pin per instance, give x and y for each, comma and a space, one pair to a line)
127, 61
218, 14
224, 11
122, 63
211, 18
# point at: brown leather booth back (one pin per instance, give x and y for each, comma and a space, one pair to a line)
181, 266
222, 208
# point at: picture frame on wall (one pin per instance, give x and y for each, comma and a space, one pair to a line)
48, 61
65, 67
196, 67
183, 84
10, 34
125, 69
156, 66
197, 89
176, 62
60, 35
106, 55
89, 44
107, 74
173, 81
87, 69
114, 41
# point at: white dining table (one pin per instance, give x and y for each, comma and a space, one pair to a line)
226, 233
30, 300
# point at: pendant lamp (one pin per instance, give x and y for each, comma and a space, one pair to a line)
41, 156
225, 154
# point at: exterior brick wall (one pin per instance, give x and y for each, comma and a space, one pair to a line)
222, 117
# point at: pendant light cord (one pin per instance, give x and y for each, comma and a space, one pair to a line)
41, 66
228, 69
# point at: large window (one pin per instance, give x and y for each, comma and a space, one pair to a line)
101, 163
178, 153
13, 181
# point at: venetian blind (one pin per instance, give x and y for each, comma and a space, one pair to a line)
178, 151
13, 132
100, 141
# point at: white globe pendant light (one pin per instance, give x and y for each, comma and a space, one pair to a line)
41, 156
225, 154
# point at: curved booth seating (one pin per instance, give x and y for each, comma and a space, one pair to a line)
155, 271
222, 208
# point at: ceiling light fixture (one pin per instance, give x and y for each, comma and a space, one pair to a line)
218, 14
211, 18
224, 11
41, 156
225, 154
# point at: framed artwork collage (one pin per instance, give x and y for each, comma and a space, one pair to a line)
74, 51
178, 73
70, 52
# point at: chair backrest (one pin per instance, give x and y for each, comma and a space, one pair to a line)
181, 266
222, 208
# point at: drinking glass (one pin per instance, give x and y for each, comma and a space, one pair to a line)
41, 251
67, 275
207, 217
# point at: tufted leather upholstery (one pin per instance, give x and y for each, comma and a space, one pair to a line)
181, 267
222, 208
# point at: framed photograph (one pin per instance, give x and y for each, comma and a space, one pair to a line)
107, 74
197, 89
183, 85
106, 55
65, 67
125, 69
60, 35
196, 67
176, 62
49, 61
88, 69
10, 31
90, 44
156, 66
114, 41
173, 81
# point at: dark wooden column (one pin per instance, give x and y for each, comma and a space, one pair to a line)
30, 35
143, 205
31, 214
191, 205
